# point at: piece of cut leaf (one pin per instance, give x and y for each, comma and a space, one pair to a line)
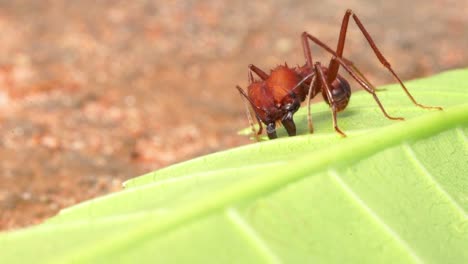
391, 192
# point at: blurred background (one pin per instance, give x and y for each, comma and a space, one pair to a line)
95, 92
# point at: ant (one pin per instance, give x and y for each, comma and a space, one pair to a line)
277, 96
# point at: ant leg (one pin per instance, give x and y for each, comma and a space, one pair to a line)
250, 77
309, 95
288, 123
241, 91
249, 117
349, 67
252, 68
334, 65
306, 37
306, 50
251, 80
384, 61
271, 130
326, 87
255, 133
309, 116
366, 86
364, 77
260, 127
305, 45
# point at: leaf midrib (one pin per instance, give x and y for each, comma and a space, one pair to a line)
338, 156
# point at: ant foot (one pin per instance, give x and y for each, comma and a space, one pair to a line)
434, 107
380, 89
430, 107
311, 129
342, 134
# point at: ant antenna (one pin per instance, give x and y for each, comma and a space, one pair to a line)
303, 80
247, 97
249, 114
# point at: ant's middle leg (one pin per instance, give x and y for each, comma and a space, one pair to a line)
312, 84
331, 75
328, 93
333, 67
345, 63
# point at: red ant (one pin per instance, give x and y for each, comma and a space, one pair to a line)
276, 97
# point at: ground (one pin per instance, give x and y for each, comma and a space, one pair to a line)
96, 92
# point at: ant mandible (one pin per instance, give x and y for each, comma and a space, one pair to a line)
276, 97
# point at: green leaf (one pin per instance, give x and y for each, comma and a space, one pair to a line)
391, 192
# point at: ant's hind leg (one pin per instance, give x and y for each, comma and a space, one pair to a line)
384, 61
366, 87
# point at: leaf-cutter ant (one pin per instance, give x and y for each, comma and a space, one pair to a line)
278, 95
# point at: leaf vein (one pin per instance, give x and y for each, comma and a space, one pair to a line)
461, 134
239, 221
335, 176
412, 155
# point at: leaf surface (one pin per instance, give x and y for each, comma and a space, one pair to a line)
391, 192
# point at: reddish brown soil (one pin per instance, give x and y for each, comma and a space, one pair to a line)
95, 92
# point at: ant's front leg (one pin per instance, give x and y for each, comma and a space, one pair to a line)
289, 124
260, 73
271, 130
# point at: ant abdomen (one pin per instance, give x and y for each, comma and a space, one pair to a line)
340, 92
